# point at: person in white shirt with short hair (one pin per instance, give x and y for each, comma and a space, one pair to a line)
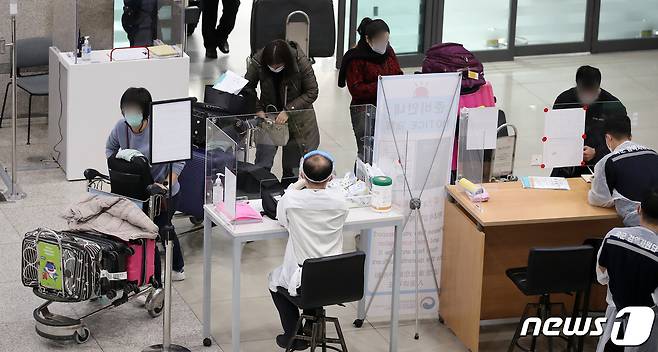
314, 217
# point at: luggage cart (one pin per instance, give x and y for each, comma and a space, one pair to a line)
298, 29
58, 327
505, 150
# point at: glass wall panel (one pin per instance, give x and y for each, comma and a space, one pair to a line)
621, 19
479, 25
550, 22
405, 18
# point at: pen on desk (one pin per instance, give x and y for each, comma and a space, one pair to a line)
590, 169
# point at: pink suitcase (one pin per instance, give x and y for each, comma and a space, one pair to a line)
482, 97
141, 265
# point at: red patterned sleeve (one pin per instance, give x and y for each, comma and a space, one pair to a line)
359, 89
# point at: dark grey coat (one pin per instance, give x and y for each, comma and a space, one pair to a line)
299, 89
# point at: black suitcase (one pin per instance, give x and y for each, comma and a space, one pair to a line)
230, 104
231, 125
114, 253
268, 22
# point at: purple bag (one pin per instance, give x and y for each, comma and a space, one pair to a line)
453, 57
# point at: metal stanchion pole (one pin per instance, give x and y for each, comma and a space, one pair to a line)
169, 256
13, 192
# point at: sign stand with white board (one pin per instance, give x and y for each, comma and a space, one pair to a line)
170, 126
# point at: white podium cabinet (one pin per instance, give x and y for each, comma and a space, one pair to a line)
83, 104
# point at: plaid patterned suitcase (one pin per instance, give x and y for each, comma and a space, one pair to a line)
71, 272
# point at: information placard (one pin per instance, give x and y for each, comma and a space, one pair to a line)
171, 131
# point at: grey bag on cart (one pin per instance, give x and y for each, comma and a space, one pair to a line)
268, 22
61, 267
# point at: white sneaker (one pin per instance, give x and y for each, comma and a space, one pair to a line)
177, 275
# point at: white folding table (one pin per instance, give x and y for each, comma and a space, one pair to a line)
358, 219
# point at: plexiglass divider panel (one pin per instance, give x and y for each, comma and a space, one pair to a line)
221, 156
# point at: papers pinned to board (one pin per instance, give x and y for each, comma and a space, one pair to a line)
564, 137
230, 82
481, 127
536, 182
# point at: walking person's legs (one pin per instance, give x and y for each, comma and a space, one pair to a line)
208, 30
226, 23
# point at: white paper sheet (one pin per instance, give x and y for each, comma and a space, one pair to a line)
230, 189
563, 130
563, 152
564, 123
481, 128
171, 132
230, 82
536, 182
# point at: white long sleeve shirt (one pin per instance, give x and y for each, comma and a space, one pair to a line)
314, 219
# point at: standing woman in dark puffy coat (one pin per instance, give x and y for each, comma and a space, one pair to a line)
287, 83
361, 66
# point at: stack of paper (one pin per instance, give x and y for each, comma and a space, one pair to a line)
230, 82
534, 182
163, 50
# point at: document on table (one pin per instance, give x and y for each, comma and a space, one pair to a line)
563, 137
535, 182
230, 82
481, 128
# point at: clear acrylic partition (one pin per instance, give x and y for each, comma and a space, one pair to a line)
221, 154
171, 23
529, 122
470, 162
111, 25
259, 141
363, 122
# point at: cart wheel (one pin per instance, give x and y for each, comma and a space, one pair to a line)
207, 342
196, 221
358, 323
155, 303
82, 337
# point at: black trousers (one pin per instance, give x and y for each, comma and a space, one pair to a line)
288, 313
290, 157
161, 220
213, 36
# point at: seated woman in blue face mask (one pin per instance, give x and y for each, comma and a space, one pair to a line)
132, 132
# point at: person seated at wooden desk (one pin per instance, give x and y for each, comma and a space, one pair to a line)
314, 217
623, 177
628, 264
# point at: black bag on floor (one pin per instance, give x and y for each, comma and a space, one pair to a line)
253, 178
230, 104
268, 22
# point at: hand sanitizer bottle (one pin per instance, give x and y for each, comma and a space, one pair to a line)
218, 190
86, 49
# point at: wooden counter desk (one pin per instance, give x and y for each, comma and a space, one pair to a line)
481, 241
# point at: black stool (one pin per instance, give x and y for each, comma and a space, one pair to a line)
327, 281
551, 270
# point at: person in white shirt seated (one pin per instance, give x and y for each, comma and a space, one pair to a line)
623, 177
314, 217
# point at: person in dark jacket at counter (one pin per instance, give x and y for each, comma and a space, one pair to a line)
599, 103
288, 86
360, 69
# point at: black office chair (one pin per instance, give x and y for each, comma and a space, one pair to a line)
550, 271
327, 281
30, 53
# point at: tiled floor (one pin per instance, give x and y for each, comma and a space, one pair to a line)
522, 87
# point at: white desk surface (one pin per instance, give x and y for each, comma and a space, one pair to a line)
102, 57
357, 219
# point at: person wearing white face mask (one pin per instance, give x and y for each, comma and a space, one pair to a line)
288, 87
599, 103
623, 177
360, 69
132, 133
